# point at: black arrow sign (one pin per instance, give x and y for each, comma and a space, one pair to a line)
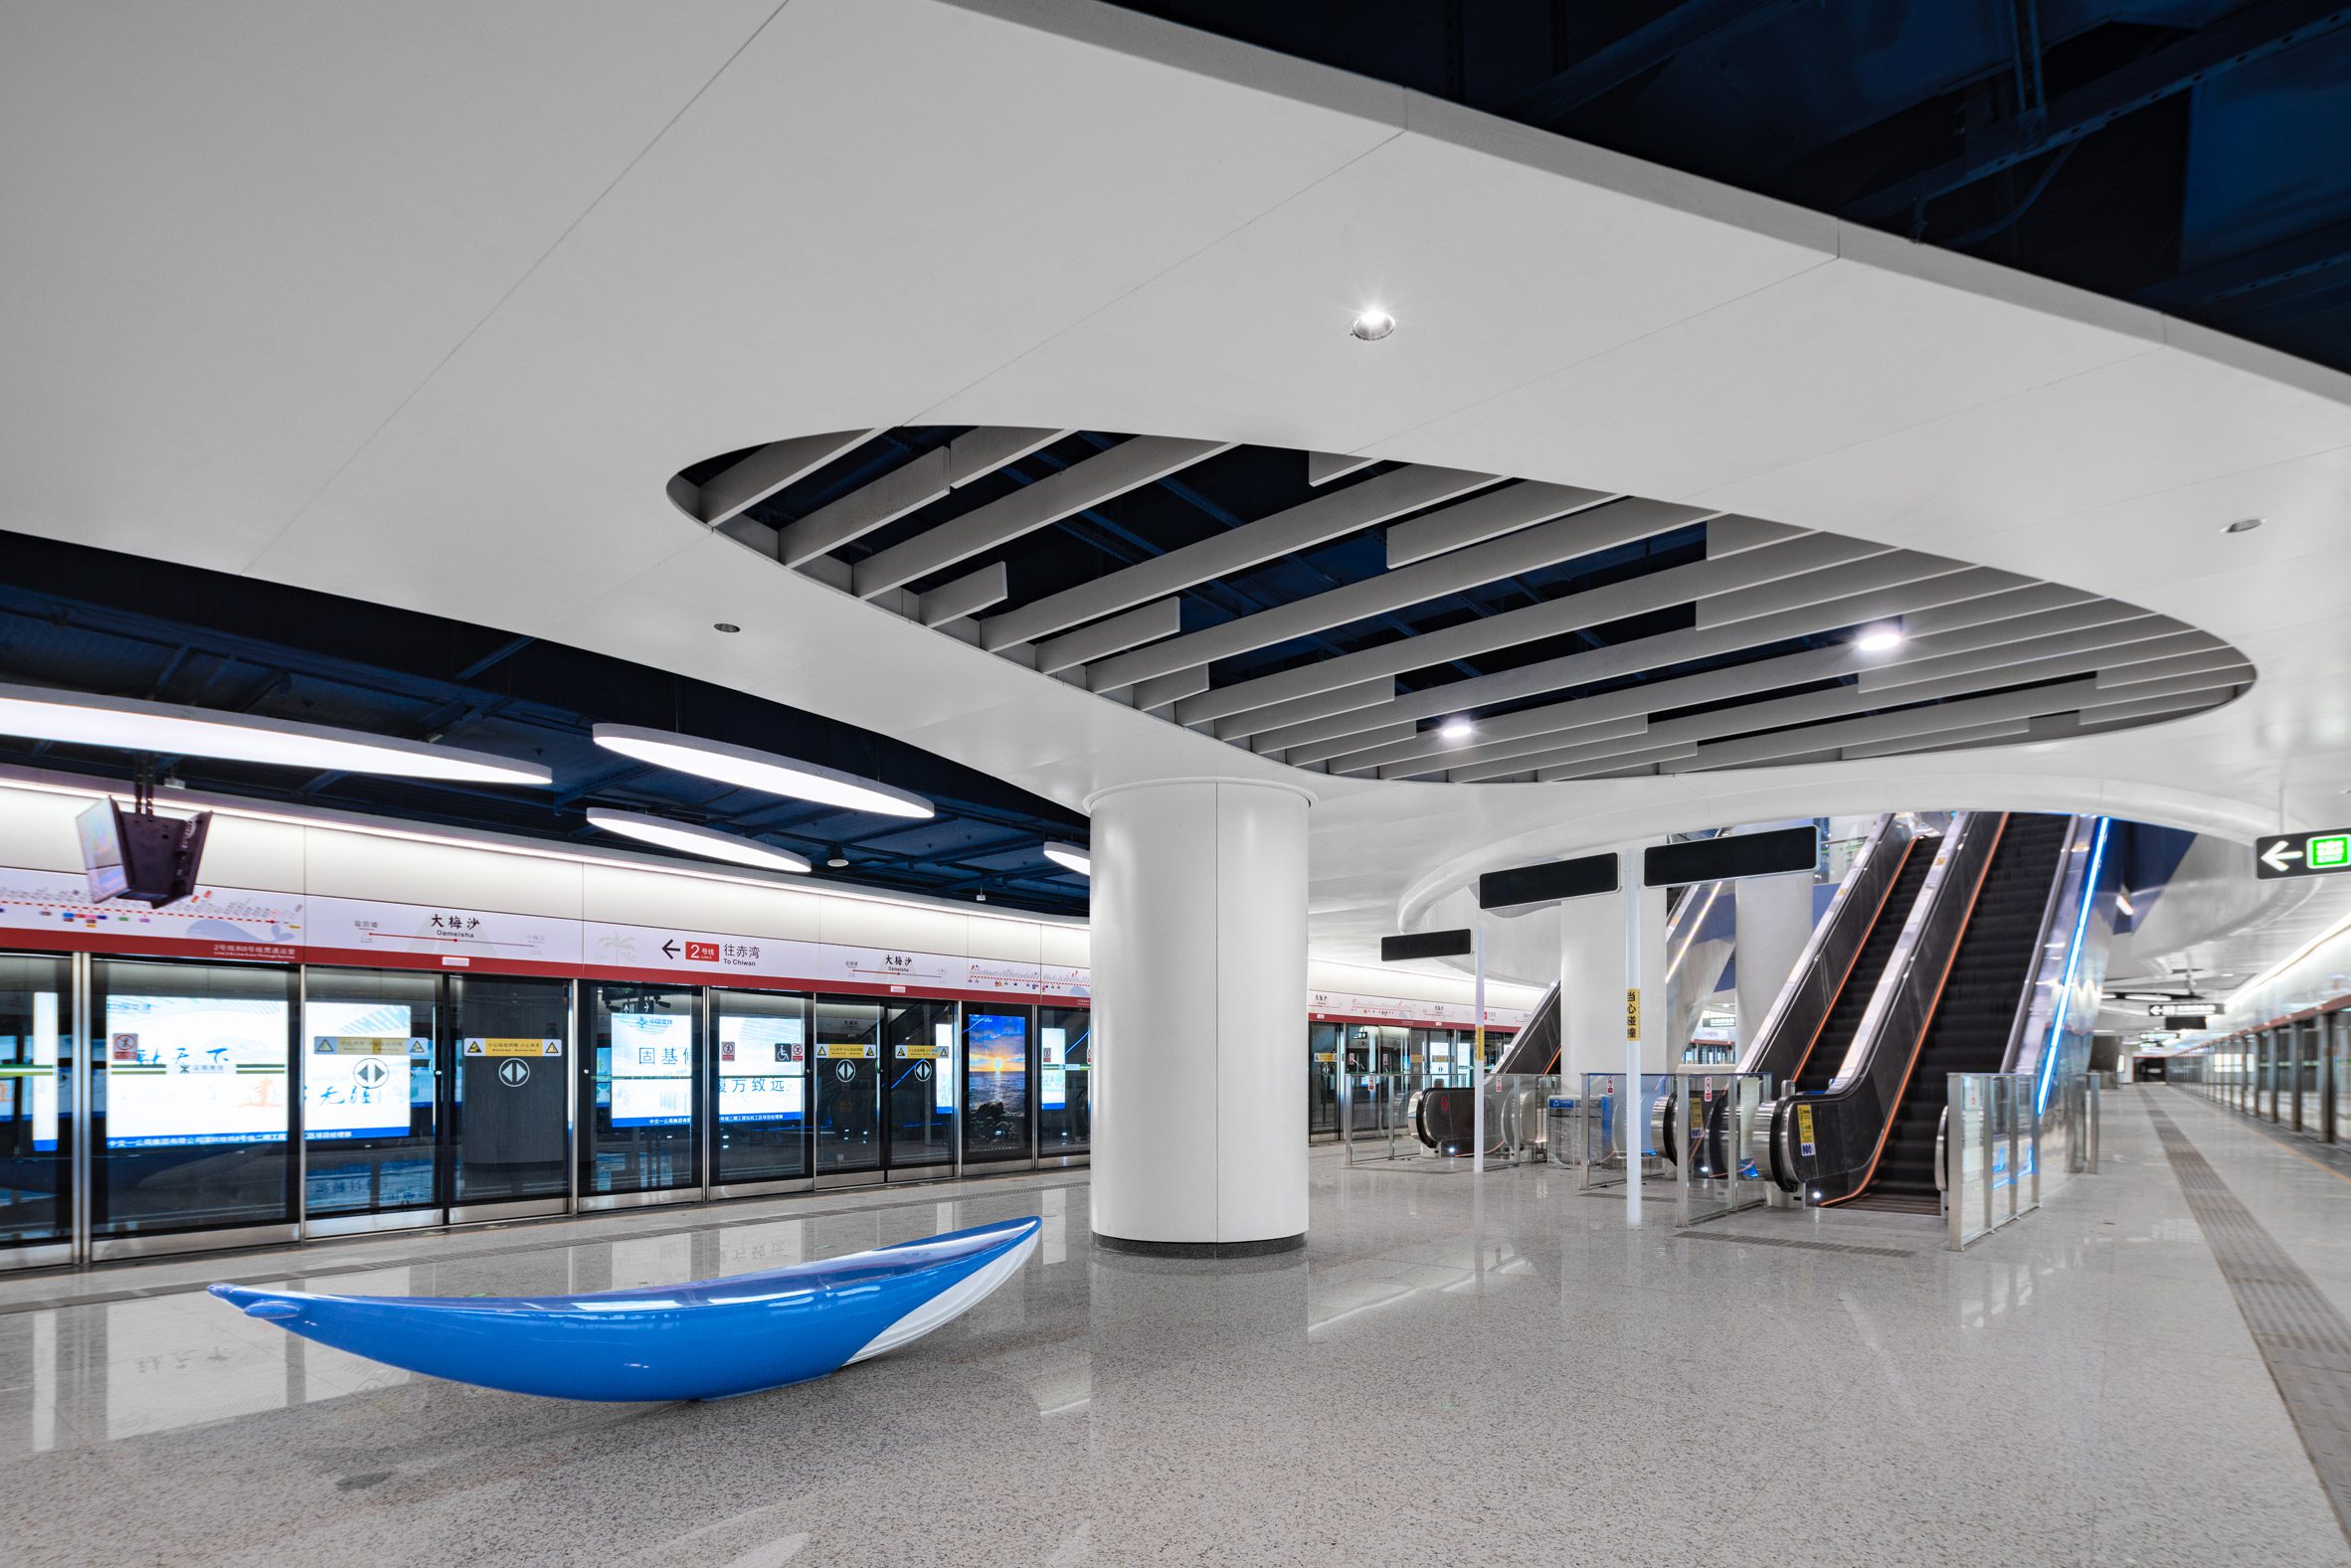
669, 947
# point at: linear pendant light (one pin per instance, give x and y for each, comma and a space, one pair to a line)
1070, 857
689, 839
755, 770
79, 719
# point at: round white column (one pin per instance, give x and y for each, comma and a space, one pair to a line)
1198, 938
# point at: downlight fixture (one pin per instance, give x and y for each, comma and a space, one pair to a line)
755, 770
727, 626
836, 857
75, 718
1070, 857
1453, 731
2243, 525
687, 839
1882, 638
1372, 324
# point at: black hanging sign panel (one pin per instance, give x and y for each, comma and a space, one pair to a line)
1523, 887
2319, 854
1730, 855
1426, 945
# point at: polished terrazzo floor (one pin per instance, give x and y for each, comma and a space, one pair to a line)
1496, 1373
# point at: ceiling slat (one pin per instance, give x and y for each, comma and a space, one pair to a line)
905, 488
1580, 534
1327, 517
1459, 527
761, 474
1129, 466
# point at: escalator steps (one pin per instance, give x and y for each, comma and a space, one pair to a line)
1989, 979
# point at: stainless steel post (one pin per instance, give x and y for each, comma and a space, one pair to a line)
83, 1085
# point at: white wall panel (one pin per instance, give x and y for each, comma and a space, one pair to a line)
854, 922
652, 898
1017, 940
402, 871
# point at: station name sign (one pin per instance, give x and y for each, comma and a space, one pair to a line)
2317, 854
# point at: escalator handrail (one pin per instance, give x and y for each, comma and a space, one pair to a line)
1813, 988
1892, 1033
2064, 896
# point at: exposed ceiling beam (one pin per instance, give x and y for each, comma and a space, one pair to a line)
1642, 49
1528, 549
2254, 32
1363, 505
1553, 618
1129, 466
761, 474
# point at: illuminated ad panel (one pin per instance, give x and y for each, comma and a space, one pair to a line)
366, 1071
760, 1062
189, 1070
653, 1069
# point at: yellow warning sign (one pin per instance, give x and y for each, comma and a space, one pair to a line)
363, 1045
507, 1047
1804, 1129
918, 1053
1631, 1013
846, 1050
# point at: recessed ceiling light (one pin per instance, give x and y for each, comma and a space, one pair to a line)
77, 719
834, 858
1455, 731
754, 769
2243, 525
1879, 639
979, 897
691, 840
724, 626
1373, 325
1070, 857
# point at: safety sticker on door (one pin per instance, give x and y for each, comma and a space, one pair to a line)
1804, 1129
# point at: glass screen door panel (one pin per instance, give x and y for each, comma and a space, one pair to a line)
1064, 1076
507, 1104
190, 1116
918, 1063
762, 1076
1322, 1078
36, 1093
642, 1046
996, 1083
846, 1086
371, 1091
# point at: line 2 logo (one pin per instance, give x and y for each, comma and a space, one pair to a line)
701, 952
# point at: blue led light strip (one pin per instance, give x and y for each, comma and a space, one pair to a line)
2065, 996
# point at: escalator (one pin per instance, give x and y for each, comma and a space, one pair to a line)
1987, 984
1817, 1068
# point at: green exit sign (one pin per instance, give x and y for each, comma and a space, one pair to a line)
2323, 853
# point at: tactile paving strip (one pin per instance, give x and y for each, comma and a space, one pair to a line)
2304, 1340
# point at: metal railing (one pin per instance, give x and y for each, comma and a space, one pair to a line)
1610, 1134
1377, 1119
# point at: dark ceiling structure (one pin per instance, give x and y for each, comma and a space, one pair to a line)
2190, 155
121, 625
1403, 621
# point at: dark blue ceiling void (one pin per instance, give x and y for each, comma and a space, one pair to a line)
2190, 155
97, 622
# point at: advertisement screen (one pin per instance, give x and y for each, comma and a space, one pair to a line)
943, 1077
998, 1043
186, 1070
32, 1063
365, 1070
653, 1069
760, 1061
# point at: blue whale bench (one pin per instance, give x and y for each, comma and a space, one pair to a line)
708, 1340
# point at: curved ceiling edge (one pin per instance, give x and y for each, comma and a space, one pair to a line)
1390, 620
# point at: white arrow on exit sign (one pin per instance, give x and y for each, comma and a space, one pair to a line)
2276, 856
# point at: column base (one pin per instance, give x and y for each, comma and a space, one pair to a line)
1202, 1249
